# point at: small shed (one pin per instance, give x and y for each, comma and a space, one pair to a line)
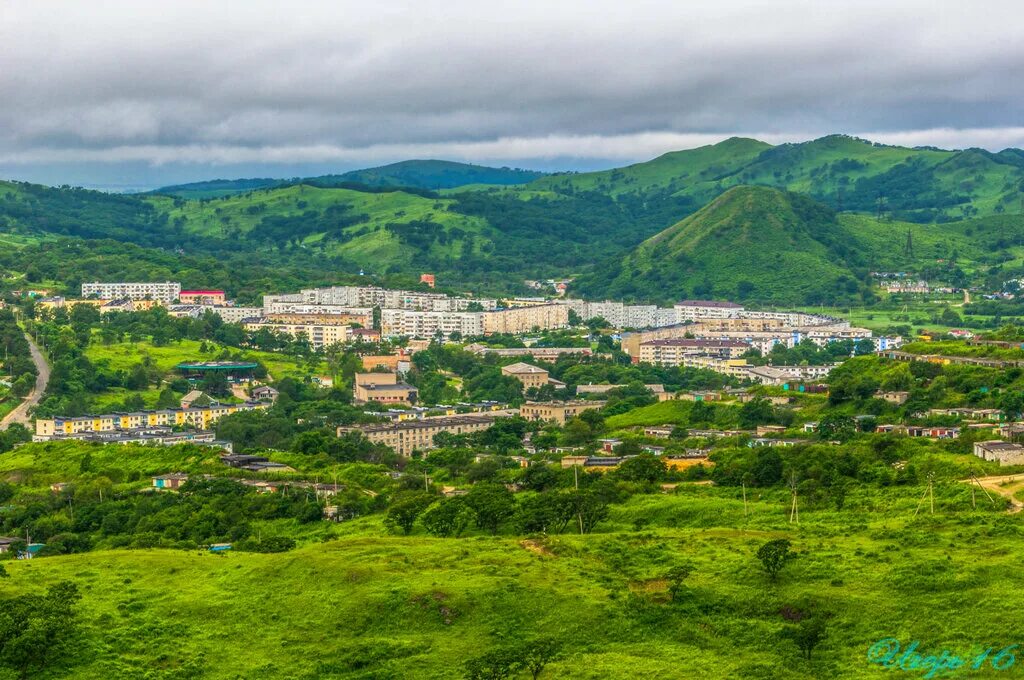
169, 482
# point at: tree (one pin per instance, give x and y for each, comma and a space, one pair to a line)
406, 508
756, 412
448, 517
23, 385
535, 654
496, 664
1012, 404
773, 556
492, 503
767, 468
643, 468
590, 509
676, 577
807, 633
837, 426
167, 399
36, 628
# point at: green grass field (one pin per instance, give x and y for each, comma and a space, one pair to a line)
125, 355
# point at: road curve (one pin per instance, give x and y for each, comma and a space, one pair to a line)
20, 414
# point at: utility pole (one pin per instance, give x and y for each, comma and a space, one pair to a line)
576, 483
794, 512
744, 499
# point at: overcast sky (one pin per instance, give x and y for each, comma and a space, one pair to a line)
145, 93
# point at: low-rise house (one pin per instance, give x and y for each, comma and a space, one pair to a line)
976, 414
528, 374
659, 431
1007, 453
265, 393
383, 388
609, 445
7, 541
769, 441
658, 390
898, 397
570, 461
556, 411
770, 429
169, 482
920, 431
704, 395
197, 398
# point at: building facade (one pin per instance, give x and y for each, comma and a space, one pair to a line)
405, 437
382, 388
166, 292
556, 411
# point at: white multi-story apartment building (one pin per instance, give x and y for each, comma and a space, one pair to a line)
696, 310
671, 352
621, 315
319, 334
415, 324
233, 314
319, 310
372, 296
166, 292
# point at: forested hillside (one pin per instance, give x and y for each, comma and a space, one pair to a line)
960, 207
427, 174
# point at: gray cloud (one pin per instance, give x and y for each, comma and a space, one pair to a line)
269, 85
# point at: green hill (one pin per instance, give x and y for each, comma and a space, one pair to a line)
434, 174
418, 174
751, 243
849, 174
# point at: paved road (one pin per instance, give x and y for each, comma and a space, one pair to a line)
20, 414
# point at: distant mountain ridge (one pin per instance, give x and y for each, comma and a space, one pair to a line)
790, 224
418, 174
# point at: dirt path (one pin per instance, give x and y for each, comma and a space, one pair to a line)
20, 414
1003, 485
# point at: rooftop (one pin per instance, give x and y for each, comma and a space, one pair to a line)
521, 367
709, 303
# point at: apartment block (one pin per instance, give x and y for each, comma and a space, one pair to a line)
525, 319
405, 437
372, 296
198, 417
539, 353
696, 310
413, 324
361, 316
319, 334
166, 292
670, 352
202, 297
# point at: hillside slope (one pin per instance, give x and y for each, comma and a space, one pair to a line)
751, 243
420, 174
846, 173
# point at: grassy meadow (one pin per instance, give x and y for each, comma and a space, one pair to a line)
358, 603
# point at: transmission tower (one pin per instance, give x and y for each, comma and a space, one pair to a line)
908, 248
